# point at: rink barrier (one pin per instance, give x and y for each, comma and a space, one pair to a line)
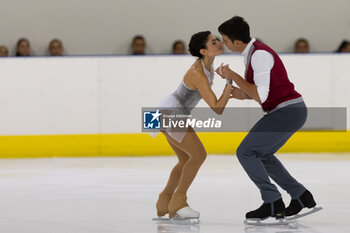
144, 145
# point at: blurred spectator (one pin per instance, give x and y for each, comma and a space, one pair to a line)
4, 52
179, 47
344, 47
138, 45
56, 48
23, 48
301, 46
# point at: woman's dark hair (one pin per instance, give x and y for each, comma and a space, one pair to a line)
236, 28
198, 41
342, 46
22, 40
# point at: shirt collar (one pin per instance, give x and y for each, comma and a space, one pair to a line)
246, 50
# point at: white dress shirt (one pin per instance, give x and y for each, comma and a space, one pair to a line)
262, 63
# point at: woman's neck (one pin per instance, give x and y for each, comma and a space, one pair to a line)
208, 62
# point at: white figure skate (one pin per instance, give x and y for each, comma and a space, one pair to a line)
185, 215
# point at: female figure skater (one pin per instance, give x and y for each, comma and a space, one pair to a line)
190, 151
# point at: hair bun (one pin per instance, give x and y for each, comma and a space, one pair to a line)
198, 41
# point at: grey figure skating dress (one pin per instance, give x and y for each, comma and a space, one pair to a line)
182, 101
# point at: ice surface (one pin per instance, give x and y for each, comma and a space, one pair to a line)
111, 194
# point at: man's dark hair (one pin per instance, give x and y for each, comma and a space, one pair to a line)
137, 37
301, 40
342, 45
236, 28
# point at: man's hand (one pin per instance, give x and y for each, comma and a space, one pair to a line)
237, 93
224, 71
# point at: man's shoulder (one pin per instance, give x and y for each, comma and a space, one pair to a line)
261, 54
262, 46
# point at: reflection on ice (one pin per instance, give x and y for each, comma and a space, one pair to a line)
177, 228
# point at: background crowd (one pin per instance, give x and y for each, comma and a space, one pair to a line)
138, 46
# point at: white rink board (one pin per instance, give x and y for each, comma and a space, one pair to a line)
90, 95
48, 96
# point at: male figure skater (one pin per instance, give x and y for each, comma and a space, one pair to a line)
266, 81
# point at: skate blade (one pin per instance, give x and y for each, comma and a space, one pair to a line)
177, 220
184, 220
161, 219
314, 210
262, 222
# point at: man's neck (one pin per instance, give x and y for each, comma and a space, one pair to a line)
243, 48
245, 45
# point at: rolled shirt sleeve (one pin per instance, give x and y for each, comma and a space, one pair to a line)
262, 63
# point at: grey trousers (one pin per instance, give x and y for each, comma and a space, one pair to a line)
256, 151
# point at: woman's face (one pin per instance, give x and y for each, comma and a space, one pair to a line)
4, 51
214, 47
24, 48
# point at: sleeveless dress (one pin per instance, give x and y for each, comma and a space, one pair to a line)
182, 101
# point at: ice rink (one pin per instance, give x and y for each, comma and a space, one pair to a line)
118, 194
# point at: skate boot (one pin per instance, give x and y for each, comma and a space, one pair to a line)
275, 209
179, 211
296, 205
177, 202
162, 204
186, 213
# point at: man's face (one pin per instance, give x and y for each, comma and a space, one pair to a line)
346, 49
138, 47
233, 46
301, 47
179, 49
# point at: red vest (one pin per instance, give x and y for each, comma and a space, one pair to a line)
281, 89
